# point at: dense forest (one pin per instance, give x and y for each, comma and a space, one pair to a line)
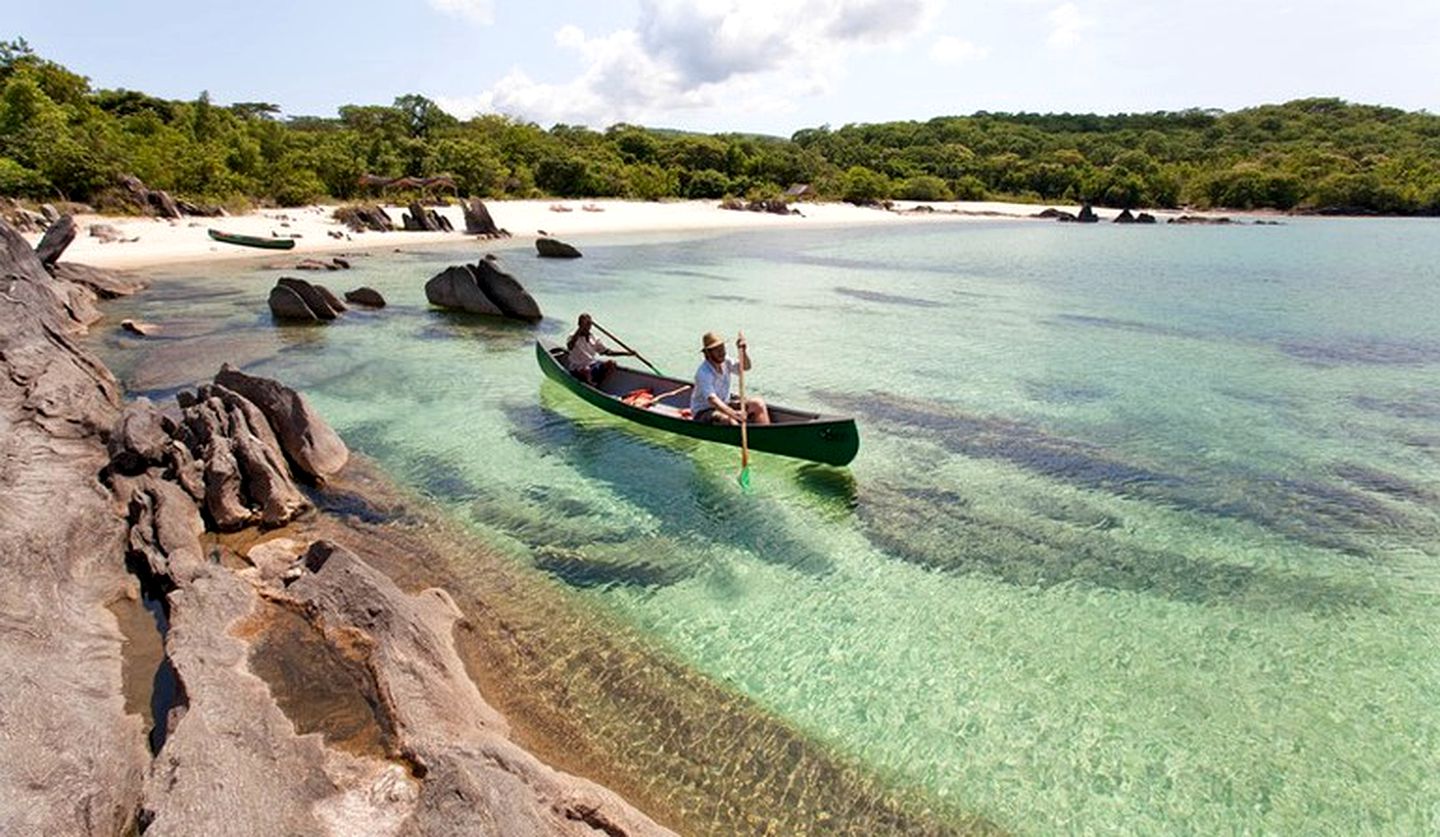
60, 139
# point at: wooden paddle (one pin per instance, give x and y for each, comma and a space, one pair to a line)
656, 399
744, 476
621, 344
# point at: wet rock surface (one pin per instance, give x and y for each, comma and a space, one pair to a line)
71, 759
483, 288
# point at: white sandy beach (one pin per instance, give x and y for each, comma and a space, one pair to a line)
148, 242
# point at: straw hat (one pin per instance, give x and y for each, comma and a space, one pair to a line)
710, 341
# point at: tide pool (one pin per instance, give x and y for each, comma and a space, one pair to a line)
1142, 537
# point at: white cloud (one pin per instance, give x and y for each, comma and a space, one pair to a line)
952, 50
477, 11
1067, 24
749, 55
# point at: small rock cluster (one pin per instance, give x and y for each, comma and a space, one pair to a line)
362, 218
482, 288
299, 301
420, 219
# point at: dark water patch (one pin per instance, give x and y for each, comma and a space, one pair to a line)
1130, 326
942, 530
545, 517
321, 686
889, 299
1362, 351
1065, 392
495, 332
606, 566
1382, 482
836, 486
689, 501
1426, 406
1270, 400
354, 506
439, 478
730, 298
696, 274
177, 364
1307, 510
990, 437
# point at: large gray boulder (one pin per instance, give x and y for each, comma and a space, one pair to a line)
506, 290
478, 220
286, 304
308, 441
554, 248
458, 287
366, 296
59, 236
317, 301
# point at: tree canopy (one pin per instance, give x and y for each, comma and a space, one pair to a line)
59, 138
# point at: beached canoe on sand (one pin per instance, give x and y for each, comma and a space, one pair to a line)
253, 240
832, 440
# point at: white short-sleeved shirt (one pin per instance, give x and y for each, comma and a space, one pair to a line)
586, 350
708, 381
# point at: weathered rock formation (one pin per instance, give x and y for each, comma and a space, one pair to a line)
420, 219
554, 248
478, 220
482, 288
71, 758
1087, 214
297, 300
366, 296
1199, 219
1125, 217
362, 218
59, 236
132, 194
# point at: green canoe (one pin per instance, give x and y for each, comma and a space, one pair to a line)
253, 240
832, 440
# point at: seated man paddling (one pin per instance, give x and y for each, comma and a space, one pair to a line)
583, 350
710, 400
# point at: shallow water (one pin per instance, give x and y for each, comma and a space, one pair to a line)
1143, 534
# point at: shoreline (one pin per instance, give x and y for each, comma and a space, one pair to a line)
148, 242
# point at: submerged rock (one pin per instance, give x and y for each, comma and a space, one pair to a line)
554, 248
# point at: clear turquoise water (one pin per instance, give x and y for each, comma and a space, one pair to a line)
1143, 535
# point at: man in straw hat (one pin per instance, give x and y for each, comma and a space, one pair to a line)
710, 399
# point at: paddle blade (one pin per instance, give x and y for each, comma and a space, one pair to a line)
744, 478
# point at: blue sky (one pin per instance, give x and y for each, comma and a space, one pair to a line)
768, 66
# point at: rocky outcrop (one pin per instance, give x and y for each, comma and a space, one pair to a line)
478, 220
55, 240
482, 288
308, 442
1087, 214
134, 194
366, 296
297, 300
1144, 218
104, 282
71, 758
420, 219
362, 218
1125, 217
1199, 219
554, 248
506, 290
457, 287
240, 755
